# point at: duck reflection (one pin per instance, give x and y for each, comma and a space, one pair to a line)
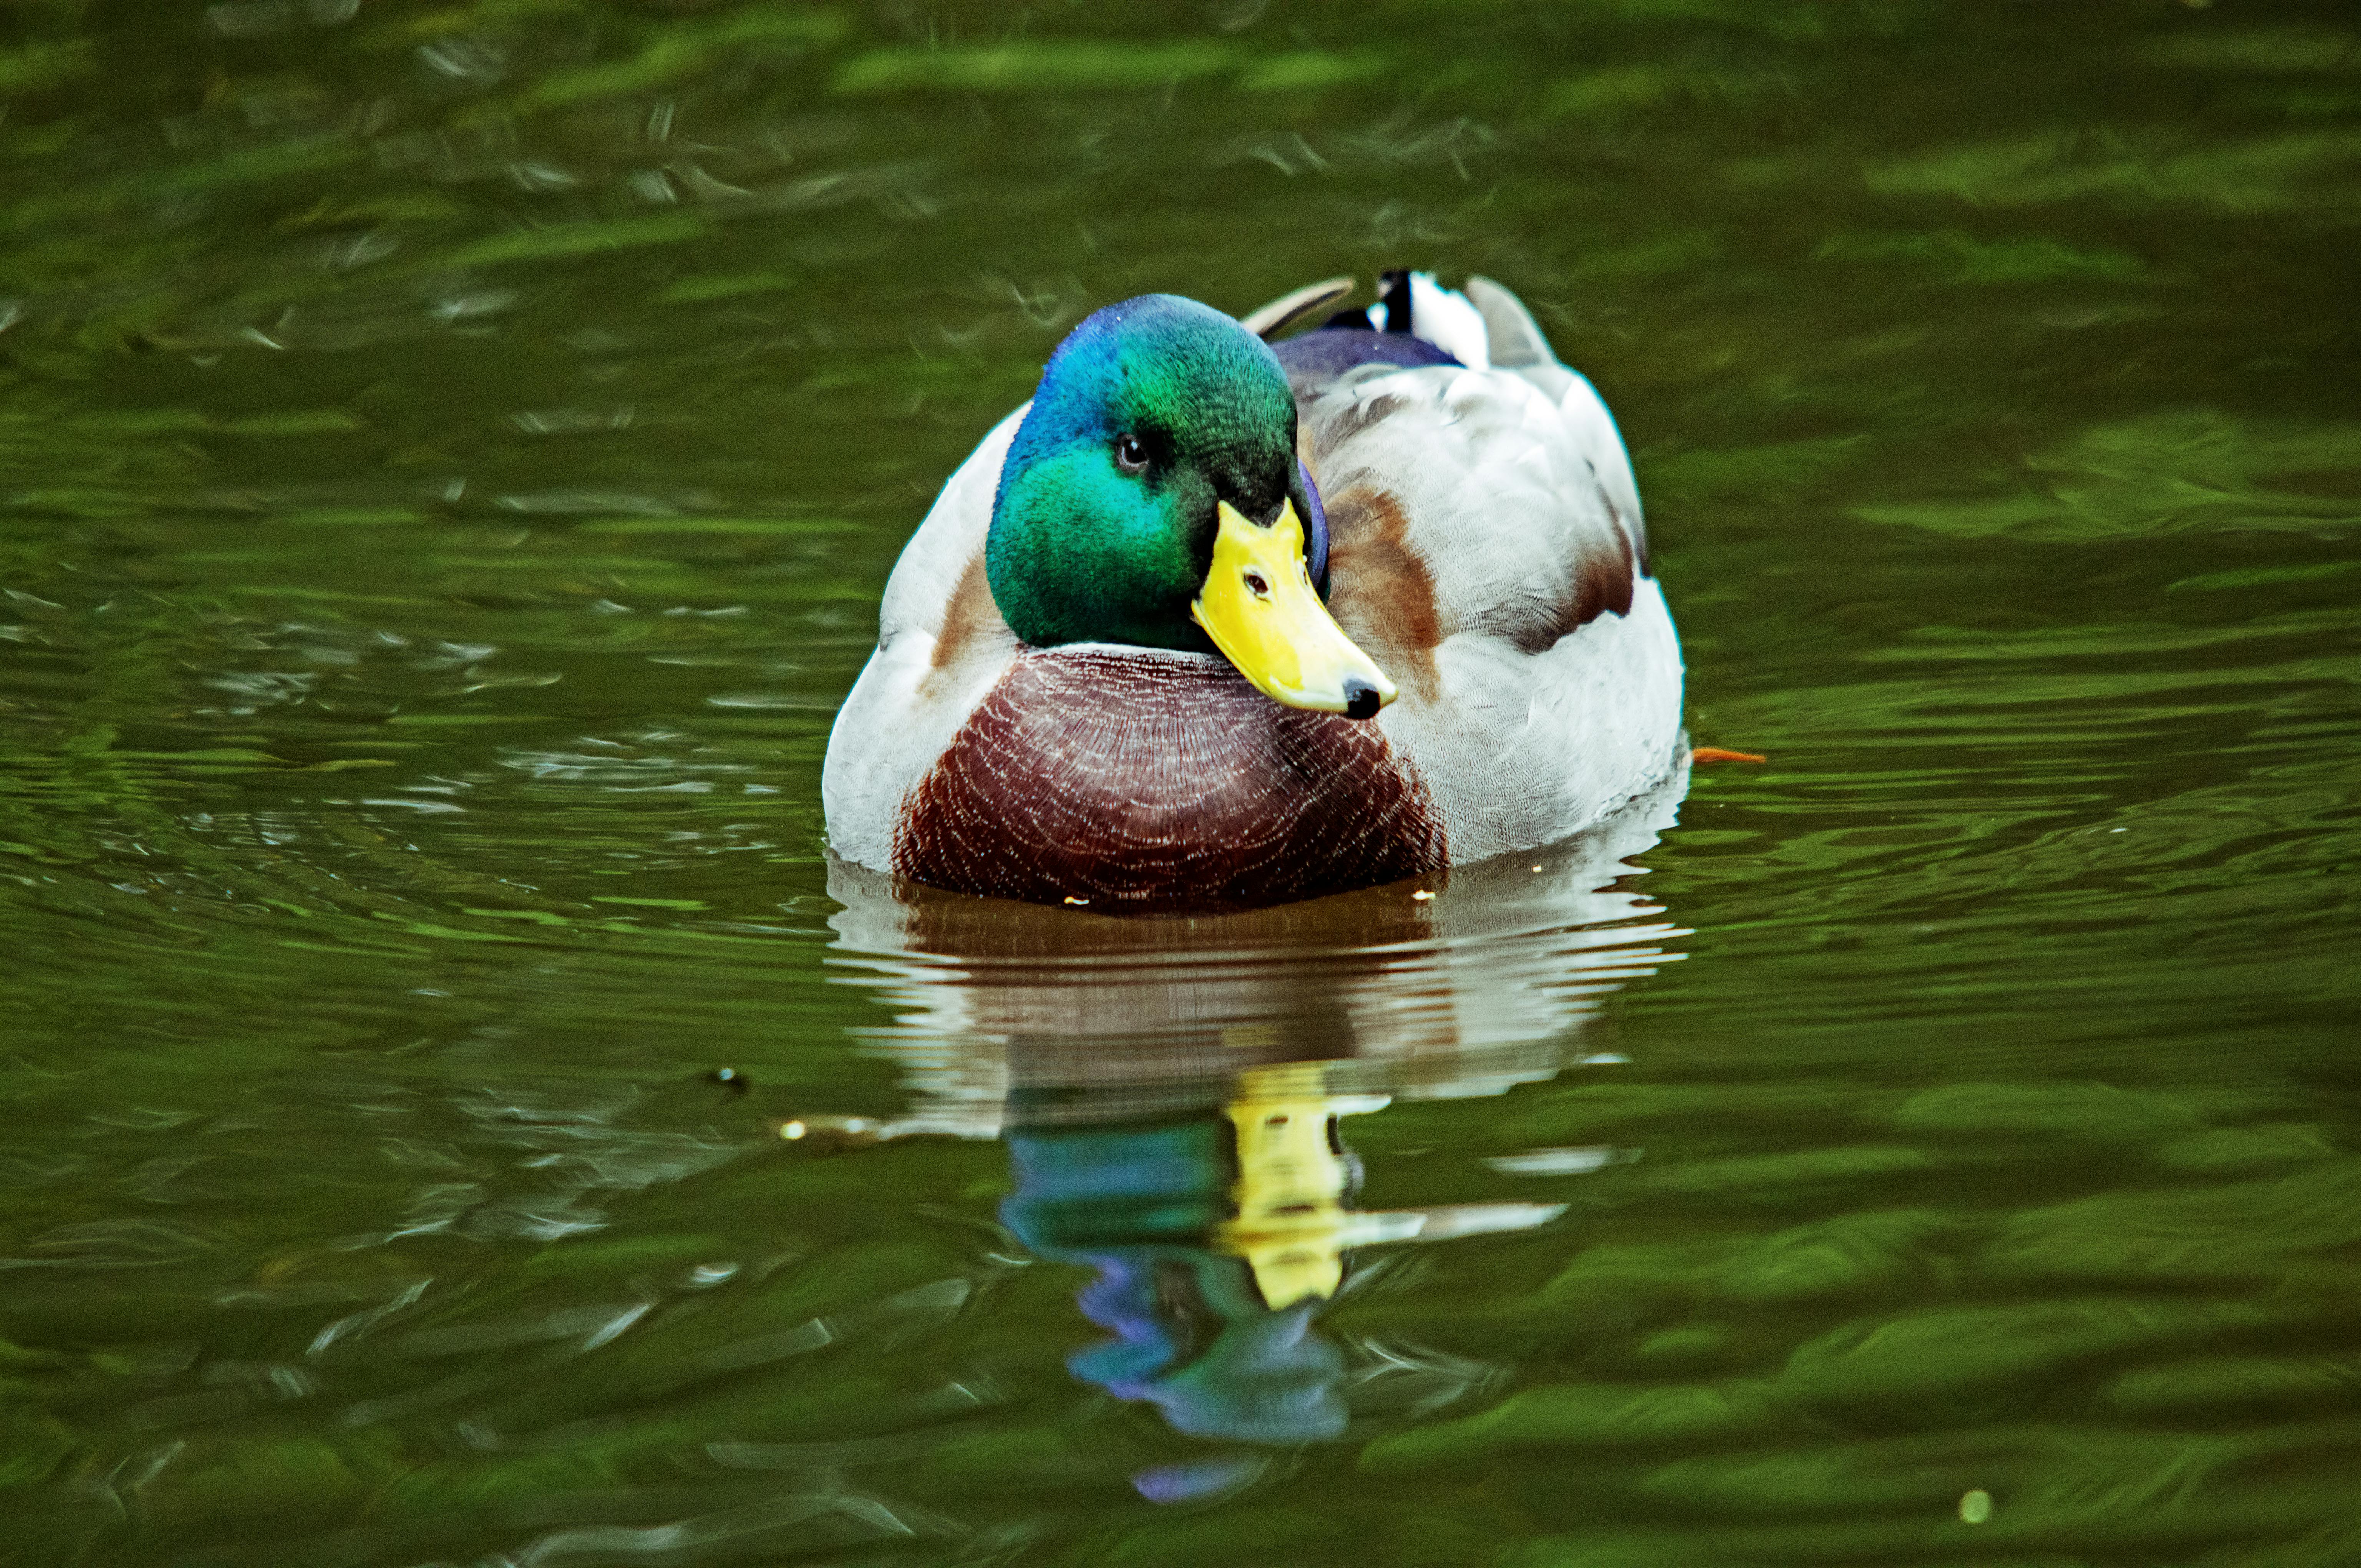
1216, 1238
1213, 1323
1171, 1091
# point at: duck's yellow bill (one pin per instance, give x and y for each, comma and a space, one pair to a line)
1259, 608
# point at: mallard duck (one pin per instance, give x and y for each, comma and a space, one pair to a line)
1221, 619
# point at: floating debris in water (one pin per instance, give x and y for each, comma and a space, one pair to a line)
828, 1134
1561, 1161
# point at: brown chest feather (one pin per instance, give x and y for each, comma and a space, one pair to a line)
1140, 784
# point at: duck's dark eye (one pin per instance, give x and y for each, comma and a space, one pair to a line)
1131, 454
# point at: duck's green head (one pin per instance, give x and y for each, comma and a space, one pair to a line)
1152, 497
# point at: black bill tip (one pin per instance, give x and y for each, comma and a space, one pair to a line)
1360, 700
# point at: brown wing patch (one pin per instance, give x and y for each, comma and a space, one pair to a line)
971, 626
1378, 585
969, 610
1601, 586
1138, 785
1604, 583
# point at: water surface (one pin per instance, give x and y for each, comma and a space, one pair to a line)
448, 460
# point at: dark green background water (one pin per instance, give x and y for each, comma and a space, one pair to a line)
448, 458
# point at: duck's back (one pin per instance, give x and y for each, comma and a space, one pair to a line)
1488, 549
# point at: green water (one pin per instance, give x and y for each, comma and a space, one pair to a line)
448, 459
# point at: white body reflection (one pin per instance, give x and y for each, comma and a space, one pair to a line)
1463, 983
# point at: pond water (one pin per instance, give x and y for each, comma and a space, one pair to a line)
449, 455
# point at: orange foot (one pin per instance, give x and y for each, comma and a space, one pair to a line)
1716, 754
